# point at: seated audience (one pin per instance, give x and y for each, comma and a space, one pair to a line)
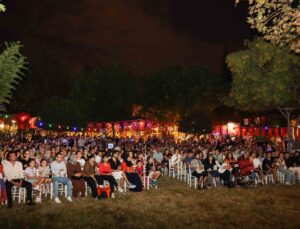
59, 176
13, 173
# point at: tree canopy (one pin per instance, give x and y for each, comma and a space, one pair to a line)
12, 63
277, 20
263, 76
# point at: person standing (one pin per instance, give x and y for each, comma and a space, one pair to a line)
13, 172
59, 176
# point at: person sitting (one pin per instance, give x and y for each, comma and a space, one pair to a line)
139, 169
44, 171
210, 168
2, 185
289, 175
133, 177
25, 159
197, 170
158, 157
13, 173
268, 164
257, 166
291, 163
225, 170
106, 175
151, 171
117, 172
89, 175
76, 176
32, 176
59, 176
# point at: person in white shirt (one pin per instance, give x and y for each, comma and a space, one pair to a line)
59, 176
13, 172
257, 166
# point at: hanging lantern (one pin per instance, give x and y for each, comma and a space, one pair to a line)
142, 125
32, 123
98, 126
22, 119
276, 132
250, 131
90, 126
244, 131
149, 125
256, 132
270, 132
117, 126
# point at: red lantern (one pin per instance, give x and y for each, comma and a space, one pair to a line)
276, 132
263, 132
32, 123
134, 125
283, 132
250, 131
98, 126
149, 125
22, 119
142, 125
117, 127
256, 131
90, 126
244, 130
270, 132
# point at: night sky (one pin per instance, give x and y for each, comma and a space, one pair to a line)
142, 33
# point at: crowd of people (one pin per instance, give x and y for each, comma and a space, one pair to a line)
81, 162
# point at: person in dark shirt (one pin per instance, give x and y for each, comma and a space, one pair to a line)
25, 159
268, 163
151, 171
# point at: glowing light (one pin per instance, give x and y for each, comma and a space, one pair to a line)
2, 126
50, 125
13, 121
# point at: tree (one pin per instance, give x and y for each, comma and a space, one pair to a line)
12, 64
2, 7
277, 20
263, 77
176, 91
196, 123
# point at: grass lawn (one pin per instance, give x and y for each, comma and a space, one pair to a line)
173, 205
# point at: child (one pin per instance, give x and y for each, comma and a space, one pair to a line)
44, 172
151, 171
2, 186
140, 168
31, 176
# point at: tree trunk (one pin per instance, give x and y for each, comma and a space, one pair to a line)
286, 112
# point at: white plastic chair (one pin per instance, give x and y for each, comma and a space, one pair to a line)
19, 193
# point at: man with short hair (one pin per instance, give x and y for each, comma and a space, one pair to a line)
59, 171
158, 156
13, 172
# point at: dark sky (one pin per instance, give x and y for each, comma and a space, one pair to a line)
152, 33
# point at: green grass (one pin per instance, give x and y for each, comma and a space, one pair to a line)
173, 205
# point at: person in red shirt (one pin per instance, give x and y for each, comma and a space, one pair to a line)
106, 175
2, 186
140, 168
